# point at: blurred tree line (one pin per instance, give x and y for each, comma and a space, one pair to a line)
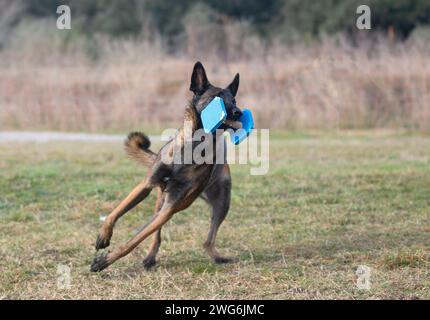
303, 17
185, 23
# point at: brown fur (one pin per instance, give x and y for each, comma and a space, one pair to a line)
178, 185
137, 147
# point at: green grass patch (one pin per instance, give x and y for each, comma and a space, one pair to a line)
330, 202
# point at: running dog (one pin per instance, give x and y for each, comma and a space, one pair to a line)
177, 184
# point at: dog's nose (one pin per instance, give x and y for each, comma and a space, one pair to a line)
237, 113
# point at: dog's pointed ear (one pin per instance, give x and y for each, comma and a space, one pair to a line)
199, 81
234, 85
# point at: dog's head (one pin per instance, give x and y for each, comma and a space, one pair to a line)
204, 92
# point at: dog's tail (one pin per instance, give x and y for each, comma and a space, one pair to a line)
137, 147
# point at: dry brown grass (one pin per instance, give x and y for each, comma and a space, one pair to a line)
134, 84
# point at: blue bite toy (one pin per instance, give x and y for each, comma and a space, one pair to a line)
247, 126
214, 115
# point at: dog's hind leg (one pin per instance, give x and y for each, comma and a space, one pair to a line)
150, 259
218, 196
140, 192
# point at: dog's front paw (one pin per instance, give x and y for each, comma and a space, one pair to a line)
149, 262
102, 241
100, 262
221, 260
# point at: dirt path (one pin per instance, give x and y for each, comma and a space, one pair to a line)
60, 136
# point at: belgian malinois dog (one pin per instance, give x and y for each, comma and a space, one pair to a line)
177, 185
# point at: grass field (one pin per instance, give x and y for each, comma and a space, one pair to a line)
329, 203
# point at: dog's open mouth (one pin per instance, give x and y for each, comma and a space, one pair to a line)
233, 124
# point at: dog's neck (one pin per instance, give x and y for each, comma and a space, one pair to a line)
191, 124
192, 119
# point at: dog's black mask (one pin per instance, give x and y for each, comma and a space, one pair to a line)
204, 92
